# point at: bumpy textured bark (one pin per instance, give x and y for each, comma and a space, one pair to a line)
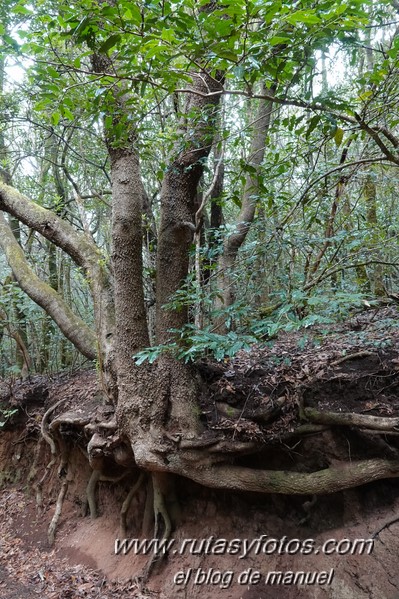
156, 405
178, 202
330, 480
131, 324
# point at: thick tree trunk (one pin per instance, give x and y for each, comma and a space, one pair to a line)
131, 322
178, 203
157, 403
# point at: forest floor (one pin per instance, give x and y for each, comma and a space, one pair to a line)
349, 367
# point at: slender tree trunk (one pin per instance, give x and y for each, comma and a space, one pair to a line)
376, 279
249, 202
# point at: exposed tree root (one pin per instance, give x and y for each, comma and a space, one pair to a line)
62, 470
148, 517
63, 473
209, 459
53, 449
336, 478
95, 478
43, 427
91, 491
356, 355
33, 470
58, 509
160, 484
307, 507
39, 485
351, 419
304, 430
126, 504
47, 437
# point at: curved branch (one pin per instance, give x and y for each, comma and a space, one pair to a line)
332, 271
313, 107
73, 327
81, 249
374, 135
83, 252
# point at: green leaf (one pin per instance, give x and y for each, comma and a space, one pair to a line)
366, 95
132, 13
339, 136
236, 200
67, 113
303, 16
55, 118
7, 39
112, 41
20, 9
314, 121
276, 40
108, 122
227, 54
168, 35
53, 72
82, 27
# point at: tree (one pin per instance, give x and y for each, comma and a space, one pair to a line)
151, 78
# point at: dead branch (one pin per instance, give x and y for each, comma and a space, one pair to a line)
359, 354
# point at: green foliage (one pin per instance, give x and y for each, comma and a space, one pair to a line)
6, 415
195, 343
55, 127
190, 343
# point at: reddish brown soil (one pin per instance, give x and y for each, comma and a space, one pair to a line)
83, 562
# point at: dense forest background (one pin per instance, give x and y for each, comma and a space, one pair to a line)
294, 219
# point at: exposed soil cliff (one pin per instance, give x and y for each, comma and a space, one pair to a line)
306, 402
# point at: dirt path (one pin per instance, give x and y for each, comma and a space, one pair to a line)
81, 565
28, 568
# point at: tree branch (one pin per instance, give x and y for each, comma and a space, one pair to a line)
73, 327
374, 135
81, 249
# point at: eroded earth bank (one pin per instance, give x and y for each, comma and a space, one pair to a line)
308, 401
